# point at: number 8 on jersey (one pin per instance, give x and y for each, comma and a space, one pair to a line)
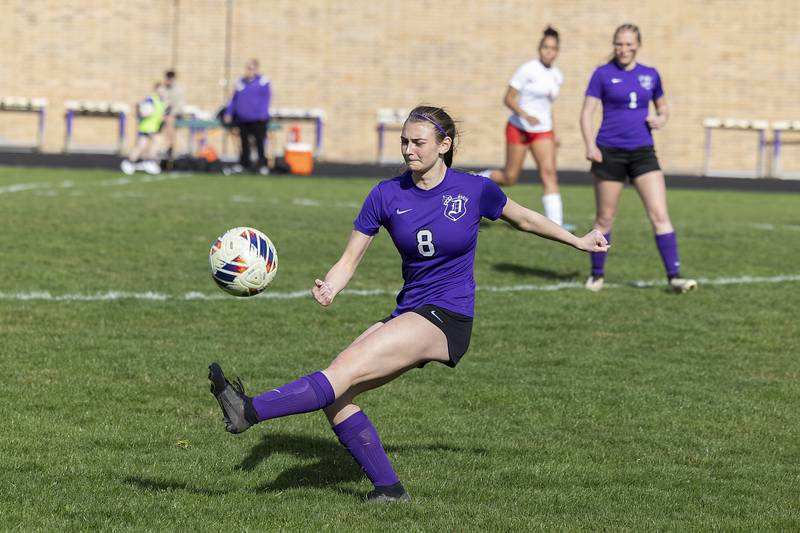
425, 243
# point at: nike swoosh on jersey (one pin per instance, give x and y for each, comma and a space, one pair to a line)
403, 211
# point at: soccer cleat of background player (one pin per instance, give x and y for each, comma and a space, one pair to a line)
682, 285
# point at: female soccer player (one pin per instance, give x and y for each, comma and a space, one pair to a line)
530, 95
624, 148
432, 214
150, 112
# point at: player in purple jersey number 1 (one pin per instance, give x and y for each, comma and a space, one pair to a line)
432, 214
624, 148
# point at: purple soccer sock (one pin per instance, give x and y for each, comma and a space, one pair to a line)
304, 395
358, 435
668, 248
599, 260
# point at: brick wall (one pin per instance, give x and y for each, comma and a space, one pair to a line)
724, 58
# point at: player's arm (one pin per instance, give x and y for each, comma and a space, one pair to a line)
530, 221
587, 112
339, 275
659, 120
227, 117
511, 101
556, 138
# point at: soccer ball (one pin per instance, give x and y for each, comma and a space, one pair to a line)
146, 108
243, 261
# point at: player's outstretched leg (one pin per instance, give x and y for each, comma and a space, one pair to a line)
358, 435
237, 407
309, 393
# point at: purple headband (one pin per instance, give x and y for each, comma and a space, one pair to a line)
429, 119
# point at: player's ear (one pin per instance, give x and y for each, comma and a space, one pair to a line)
445, 145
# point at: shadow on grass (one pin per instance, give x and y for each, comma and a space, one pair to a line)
535, 272
330, 465
333, 465
164, 485
437, 447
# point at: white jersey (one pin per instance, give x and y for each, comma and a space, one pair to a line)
538, 87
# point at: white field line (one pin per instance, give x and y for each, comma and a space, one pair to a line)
773, 227
308, 202
20, 187
238, 199
129, 194
49, 186
294, 295
133, 180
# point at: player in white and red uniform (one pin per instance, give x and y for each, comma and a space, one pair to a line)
530, 95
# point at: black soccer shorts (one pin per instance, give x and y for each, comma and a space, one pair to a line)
457, 328
619, 164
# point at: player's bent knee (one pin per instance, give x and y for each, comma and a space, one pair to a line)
511, 178
338, 412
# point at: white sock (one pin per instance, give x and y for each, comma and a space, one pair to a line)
553, 209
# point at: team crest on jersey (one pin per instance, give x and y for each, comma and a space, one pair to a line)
455, 206
646, 81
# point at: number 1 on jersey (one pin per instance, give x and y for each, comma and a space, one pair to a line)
425, 243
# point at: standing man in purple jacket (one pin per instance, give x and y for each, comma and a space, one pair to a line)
249, 111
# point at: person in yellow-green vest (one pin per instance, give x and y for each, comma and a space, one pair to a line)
150, 112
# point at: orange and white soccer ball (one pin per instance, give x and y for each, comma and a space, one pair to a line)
243, 261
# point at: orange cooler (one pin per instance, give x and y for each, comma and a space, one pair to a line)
300, 158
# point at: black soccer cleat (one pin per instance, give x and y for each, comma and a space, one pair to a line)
392, 493
237, 407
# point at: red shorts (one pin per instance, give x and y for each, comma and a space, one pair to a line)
514, 135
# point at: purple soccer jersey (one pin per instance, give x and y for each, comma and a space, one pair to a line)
626, 96
250, 100
435, 232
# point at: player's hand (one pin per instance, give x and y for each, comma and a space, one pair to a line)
530, 119
594, 241
227, 119
322, 292
656, 122
593, 153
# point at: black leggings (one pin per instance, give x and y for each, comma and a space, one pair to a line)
258, 131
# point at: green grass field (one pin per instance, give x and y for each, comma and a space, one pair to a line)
630, 409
